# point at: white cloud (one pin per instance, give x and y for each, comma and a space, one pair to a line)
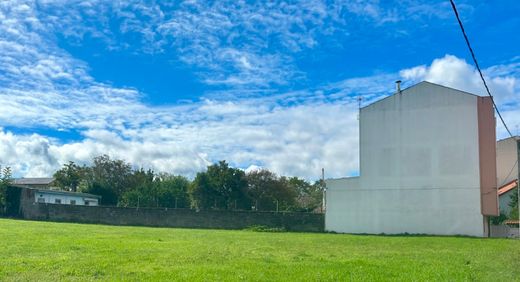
457, 73
232, 43
29, 155
293, 133
296, 140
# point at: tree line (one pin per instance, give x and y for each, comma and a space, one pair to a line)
219, 187
5, 179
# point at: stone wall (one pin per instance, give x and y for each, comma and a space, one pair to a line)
504, 231
186, 218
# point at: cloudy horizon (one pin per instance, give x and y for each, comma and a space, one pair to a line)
176, 87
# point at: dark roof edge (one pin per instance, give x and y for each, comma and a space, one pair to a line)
417, 84
68, 193
56, 191
514, 137
502, 189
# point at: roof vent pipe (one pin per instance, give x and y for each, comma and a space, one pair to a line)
398, 86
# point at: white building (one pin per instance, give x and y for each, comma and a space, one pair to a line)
507, 160
427, 166
65, 197
507, 172
44, 192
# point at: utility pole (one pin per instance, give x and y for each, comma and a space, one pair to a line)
359, 100
324, 191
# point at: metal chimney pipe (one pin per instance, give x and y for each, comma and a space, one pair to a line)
398, 86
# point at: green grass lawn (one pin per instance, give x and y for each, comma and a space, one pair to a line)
39, 251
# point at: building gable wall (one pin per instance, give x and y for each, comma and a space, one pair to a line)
419, 167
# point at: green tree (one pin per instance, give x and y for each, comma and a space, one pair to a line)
108, 178
141, 190
202, 194
267, 191
173, 191
141, 196
261, 189
257, 189
220, 187
141, 177
69, 176
309, 196
108, 196
150, 190
286, 195
514, 205
5, 180
496, 220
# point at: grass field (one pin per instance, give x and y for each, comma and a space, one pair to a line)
39, 251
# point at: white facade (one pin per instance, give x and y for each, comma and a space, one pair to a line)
507, 170
505, 200
507, 163
65, 198
419, 167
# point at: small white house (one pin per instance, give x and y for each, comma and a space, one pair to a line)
44, 192
65, 197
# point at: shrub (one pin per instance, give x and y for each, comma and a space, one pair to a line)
263, 228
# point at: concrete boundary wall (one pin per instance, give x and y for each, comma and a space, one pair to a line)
162, 217
504, 231
398, 211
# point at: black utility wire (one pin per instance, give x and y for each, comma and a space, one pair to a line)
478, 67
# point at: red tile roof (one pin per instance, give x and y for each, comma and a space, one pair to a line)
507, 187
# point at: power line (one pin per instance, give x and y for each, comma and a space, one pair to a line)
478, 67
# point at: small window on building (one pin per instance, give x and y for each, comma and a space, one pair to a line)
57, 201
72, 202
41, 200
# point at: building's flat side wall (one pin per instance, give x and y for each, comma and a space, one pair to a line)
425, 138
487, 157
65, 199
507, 170
342, 183
334, 210
419, 160
91, 201
370, 211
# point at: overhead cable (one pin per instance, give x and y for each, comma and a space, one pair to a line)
478, 67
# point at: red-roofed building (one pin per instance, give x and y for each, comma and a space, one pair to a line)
507, 172
504, 195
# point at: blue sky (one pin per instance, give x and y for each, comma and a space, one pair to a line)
177, 86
